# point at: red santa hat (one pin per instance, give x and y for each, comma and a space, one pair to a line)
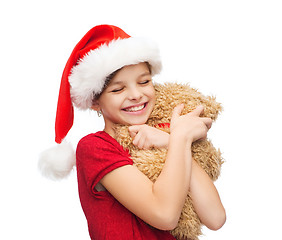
103, 50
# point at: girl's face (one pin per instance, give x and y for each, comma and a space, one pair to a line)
129, 98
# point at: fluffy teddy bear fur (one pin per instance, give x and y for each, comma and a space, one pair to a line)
151, 161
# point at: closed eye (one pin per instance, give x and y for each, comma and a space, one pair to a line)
145, 82
117, 90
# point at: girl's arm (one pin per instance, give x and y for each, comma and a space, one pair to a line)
145, 137
204, 194
160, 203
206, 200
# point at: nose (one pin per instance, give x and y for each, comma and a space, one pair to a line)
134, 94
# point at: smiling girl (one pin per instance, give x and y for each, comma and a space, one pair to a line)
129, 97
111, 73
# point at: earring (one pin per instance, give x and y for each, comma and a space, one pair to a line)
99, 113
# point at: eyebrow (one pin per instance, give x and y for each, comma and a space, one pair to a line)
145, 74
115, 83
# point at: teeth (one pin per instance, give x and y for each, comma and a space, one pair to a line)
134, 109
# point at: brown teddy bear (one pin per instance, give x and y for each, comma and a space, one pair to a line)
151, 161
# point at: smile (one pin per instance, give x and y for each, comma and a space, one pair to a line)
135, 108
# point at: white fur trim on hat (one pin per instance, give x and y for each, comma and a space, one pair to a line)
88, 77
57, 162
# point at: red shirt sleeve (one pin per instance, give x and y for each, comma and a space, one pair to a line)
98, 154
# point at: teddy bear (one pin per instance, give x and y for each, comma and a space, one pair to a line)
151, 161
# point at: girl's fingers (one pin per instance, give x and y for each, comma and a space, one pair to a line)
140, 142
207, 122
136, 139
132, 134
197, 111
133, 130
177, 111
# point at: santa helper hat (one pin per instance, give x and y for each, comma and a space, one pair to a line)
103, 50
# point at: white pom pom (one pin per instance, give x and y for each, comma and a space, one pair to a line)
57, 162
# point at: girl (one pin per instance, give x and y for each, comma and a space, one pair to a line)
111, 72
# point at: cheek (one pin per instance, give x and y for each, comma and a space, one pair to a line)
152, 94
112, 103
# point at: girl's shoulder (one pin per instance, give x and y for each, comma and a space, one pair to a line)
99, 151
96, 138
100, 141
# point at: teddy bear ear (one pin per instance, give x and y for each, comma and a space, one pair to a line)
175, 93
212, 107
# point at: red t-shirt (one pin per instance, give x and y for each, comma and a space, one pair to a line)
96, 155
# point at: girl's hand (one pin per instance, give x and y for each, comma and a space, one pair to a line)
145, 137
191, 126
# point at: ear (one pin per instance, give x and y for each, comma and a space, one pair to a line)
95, 106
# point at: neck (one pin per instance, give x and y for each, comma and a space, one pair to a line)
110, 131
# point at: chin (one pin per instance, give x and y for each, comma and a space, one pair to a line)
136, 123
135, 120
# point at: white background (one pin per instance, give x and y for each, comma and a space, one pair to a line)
230, 49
